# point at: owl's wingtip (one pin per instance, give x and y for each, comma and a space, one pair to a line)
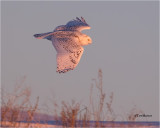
63, 71
36, 35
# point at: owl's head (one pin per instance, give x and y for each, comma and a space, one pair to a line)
85, 40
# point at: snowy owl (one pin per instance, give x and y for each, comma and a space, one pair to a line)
68, 41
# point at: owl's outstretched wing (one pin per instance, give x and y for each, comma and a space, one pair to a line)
68, 54
44, 35
78, 24
68, 61
56, 34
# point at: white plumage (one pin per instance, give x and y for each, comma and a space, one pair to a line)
68, 41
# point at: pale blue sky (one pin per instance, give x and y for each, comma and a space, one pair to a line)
125, 47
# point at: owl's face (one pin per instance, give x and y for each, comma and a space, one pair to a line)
85, 40
88, 40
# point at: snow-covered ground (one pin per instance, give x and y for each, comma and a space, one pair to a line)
31, 125
37, 125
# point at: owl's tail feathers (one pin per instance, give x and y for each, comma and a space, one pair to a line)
44, 35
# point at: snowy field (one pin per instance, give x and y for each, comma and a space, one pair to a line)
109, 125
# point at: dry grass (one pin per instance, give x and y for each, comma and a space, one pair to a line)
16, 106
97, 109
131, 115
73, 114
69, 114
